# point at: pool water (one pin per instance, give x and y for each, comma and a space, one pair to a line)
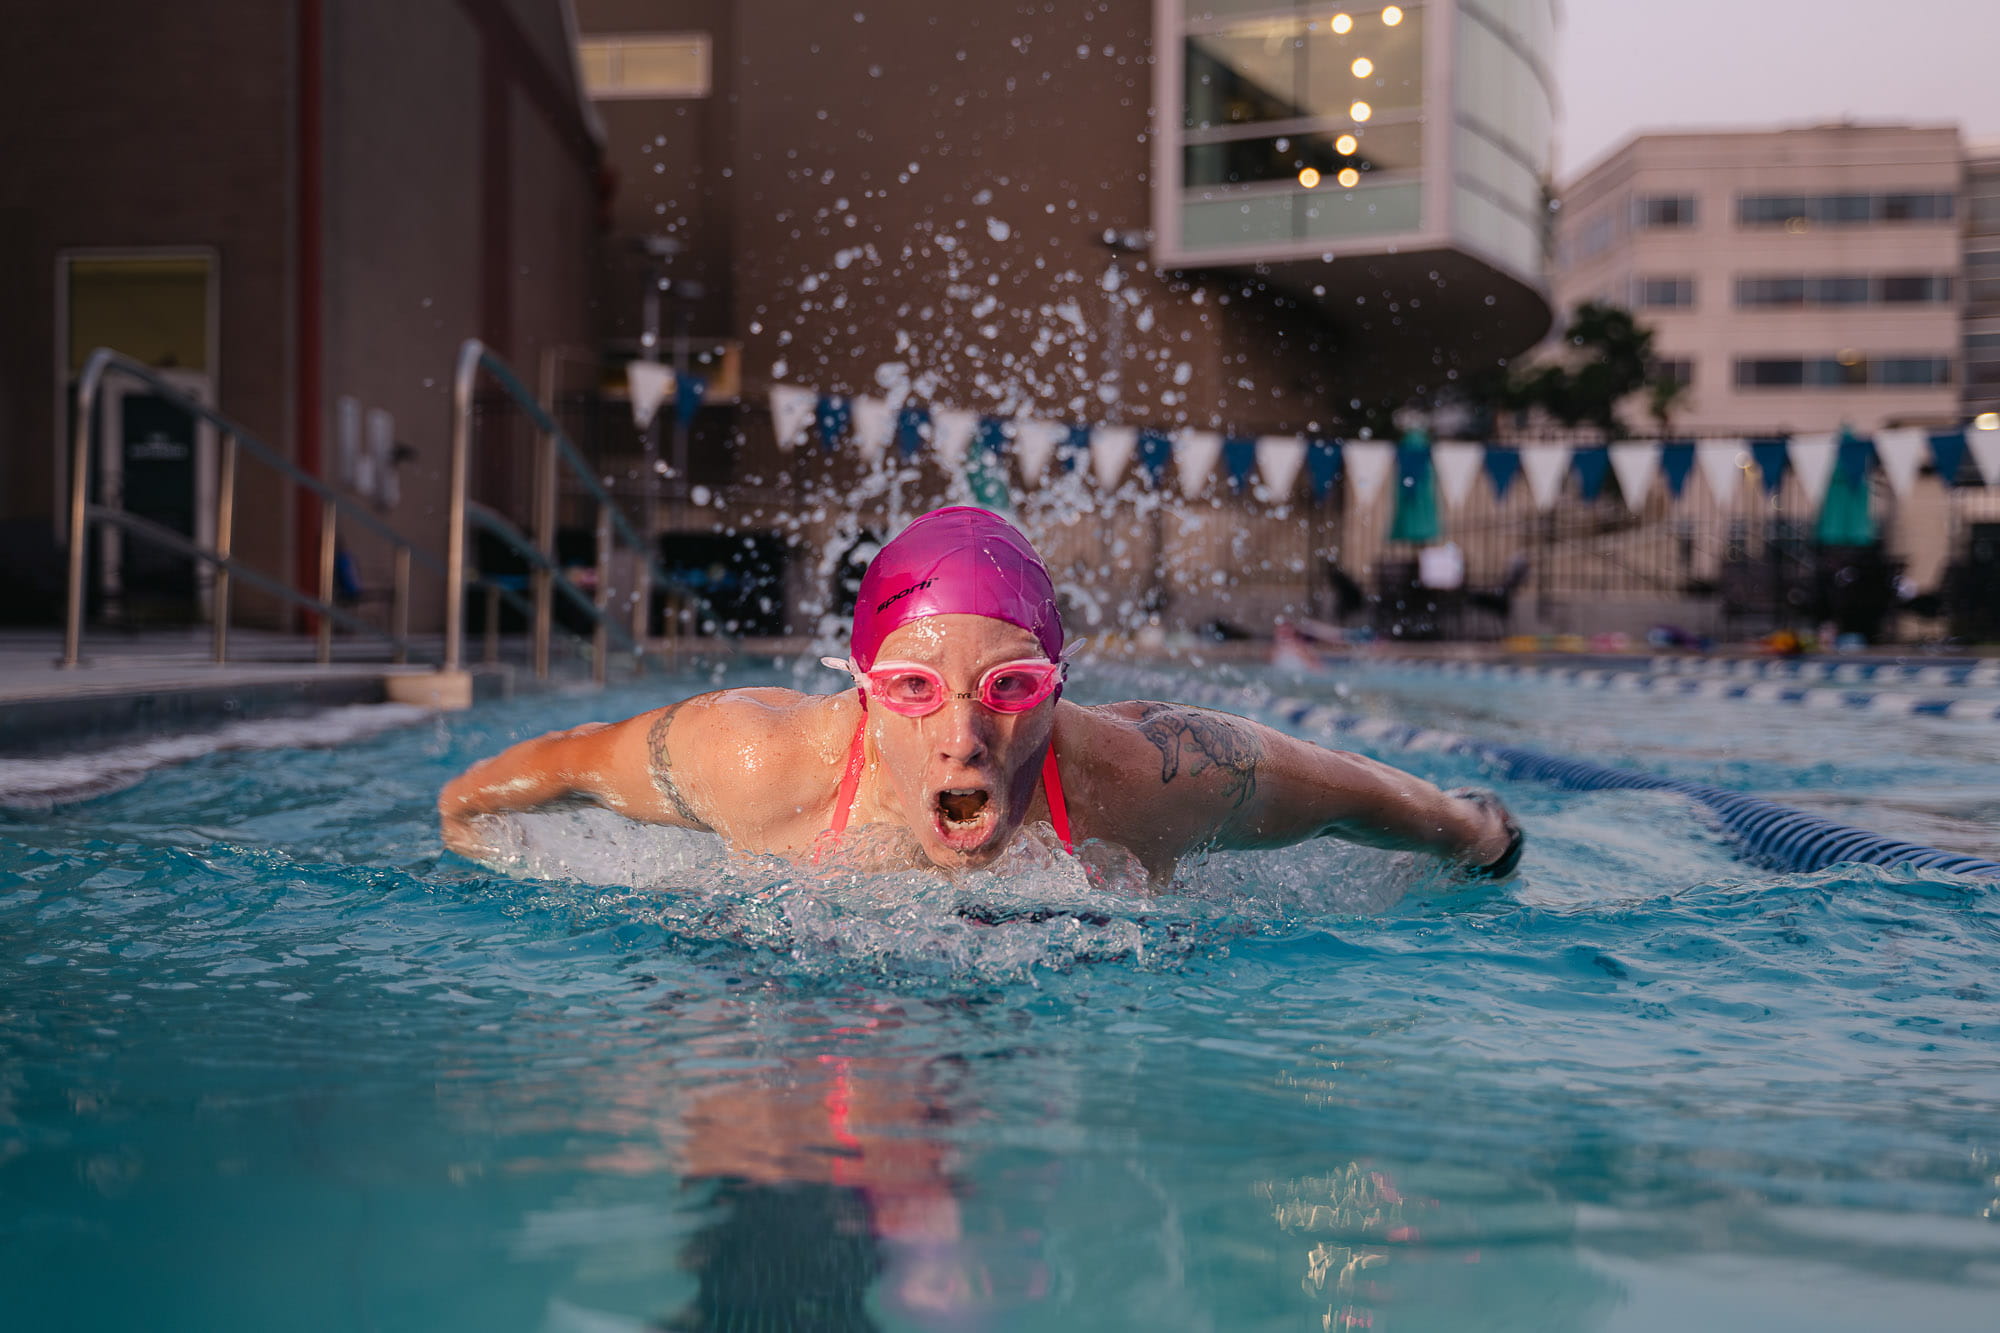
269, 1060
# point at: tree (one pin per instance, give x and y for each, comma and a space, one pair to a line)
1664, 397
1610, 356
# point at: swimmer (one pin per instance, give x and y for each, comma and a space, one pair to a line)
954, 739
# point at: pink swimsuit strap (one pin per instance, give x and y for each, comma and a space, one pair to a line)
850, 786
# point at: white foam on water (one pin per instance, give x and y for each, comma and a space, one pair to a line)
41, 781
1035, 908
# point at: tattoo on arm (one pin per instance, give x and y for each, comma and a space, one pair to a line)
663, 767
1192, 740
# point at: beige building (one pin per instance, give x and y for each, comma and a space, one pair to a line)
1798, 280
1982, 279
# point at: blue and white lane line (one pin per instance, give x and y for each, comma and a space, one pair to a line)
1948, 675
1766, 833
1958, 708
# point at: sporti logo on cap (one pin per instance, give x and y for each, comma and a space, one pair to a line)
956, 561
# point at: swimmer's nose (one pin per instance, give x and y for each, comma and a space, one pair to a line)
963, 731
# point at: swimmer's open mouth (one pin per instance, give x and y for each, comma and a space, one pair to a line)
966, 818
961, 805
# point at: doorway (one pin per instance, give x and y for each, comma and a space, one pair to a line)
152, 457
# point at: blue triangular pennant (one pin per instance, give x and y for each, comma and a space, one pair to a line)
1948, 453
1240, 457
1773, 456
1322, 466
1676, 462
1073, 451
1856, 453
831, 416
1154, 451
992, 437
688, 391
1592, 464
912, 424
1502, 466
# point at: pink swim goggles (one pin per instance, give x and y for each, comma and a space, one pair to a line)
915, 690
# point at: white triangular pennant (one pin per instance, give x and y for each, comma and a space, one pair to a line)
1812, 463
1545, 466
1902, 453
649, 383
1035, 442
1985, 448
952, 430
1279, 458
1196, 453
1457, 464
1110, 450
792, 411
1367, 464
1636, 463
874, 425
1717, 461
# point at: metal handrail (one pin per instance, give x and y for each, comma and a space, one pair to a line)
235, 439
553, 445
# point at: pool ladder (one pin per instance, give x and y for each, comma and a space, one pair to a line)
546, 577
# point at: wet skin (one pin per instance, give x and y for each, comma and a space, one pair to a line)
761, 768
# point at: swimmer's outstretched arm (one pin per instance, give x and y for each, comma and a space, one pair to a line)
624, 766
1262, 788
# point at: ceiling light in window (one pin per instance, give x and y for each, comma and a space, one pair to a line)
1986, 421
1363, 67
1342, 23
1392, 16
1346, 144
1308, 177
1349, 177
1360, 111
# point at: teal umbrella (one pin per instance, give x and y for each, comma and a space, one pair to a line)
1844, 519
1416, 494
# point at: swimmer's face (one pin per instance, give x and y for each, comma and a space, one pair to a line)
964, 775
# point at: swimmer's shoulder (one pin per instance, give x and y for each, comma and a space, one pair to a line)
761, 732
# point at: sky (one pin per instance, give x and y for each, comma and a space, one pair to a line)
1624, 66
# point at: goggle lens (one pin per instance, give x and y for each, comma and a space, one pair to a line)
914, 690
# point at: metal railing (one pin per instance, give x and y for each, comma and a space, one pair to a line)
546, 578
235, 441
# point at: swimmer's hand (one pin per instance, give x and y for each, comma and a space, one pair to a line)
1503, 865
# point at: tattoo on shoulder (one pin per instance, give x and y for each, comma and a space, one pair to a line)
1192, 740
662, 760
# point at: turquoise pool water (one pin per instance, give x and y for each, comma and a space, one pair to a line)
267, 1061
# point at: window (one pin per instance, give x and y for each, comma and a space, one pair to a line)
1846, 371
1653, 293
1673, 369
1839, 290
1798, 210
1913, 288
1770, 291
1982, 275
1594, 237
1663, 210
645, 65
1982, 358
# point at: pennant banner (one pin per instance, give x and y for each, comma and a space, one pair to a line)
1592, 464
1240, 458
1502, 466
649, 383
1902, 453
874, 426
951, 435
1676, 462
1771, 456
1812, 463
1195, 455
1457, 464
1546, 465
1948, 455
1636, 462
1279, 458
1111, 449
1720, 469
1985, 447
1155, 450
791, 413
1368, 465
1034, 444
1322, 467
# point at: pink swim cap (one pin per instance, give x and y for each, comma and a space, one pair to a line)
955, 561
